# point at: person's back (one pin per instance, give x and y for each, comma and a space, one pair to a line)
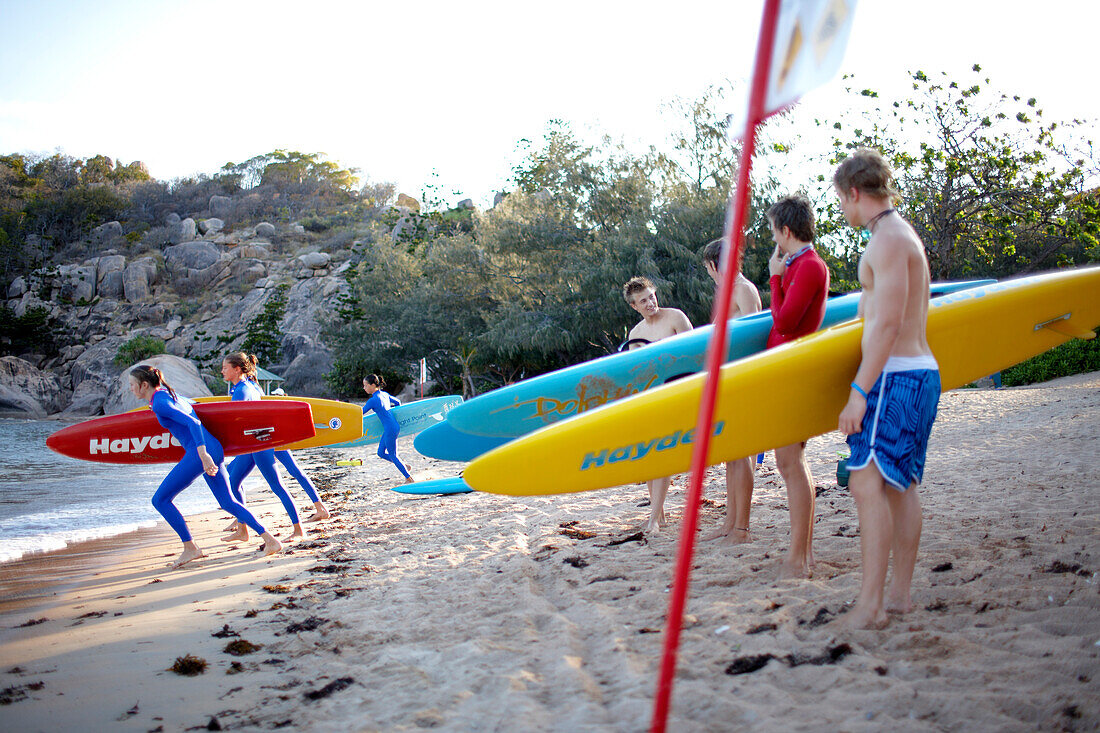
897, 245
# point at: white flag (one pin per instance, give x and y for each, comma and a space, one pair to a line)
810, 38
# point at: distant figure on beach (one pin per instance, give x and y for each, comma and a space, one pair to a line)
657, 323
239, 370
744, 300
895, 394
799, 285
202, 456
381, 402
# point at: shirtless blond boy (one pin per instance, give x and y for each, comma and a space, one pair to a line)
657, 323
895, 393
744, 300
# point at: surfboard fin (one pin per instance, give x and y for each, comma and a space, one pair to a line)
1061, 325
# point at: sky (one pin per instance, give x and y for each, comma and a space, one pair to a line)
442, 93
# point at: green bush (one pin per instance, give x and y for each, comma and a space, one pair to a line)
1074, 357
137, 349
35, 330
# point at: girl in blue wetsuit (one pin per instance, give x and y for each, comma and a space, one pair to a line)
381, 402
239, 370
202, 456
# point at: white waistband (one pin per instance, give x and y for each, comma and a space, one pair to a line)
910, 363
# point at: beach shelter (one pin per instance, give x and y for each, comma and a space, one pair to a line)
267, 379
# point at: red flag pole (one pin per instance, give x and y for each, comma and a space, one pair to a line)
735, 237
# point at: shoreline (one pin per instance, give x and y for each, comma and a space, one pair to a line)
485, 612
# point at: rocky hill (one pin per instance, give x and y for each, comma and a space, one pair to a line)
197, 290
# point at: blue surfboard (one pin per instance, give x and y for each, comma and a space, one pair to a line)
525, 406
411, 417
454, 485
442, 441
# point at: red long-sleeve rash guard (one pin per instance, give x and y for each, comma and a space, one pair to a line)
798, 299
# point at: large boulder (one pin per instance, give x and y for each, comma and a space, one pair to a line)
210, 227
138, 279
26, 391
194, 265
108, 232
18, 287
77, 283
265, 230
182, 231
181, 374
315, 260
408, 202
220, 206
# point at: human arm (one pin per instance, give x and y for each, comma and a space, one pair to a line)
880, 331
171, 415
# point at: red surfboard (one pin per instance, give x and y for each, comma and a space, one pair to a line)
137, 437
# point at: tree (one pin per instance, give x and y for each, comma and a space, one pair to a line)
992, 189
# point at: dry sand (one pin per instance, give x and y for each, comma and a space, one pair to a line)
487, 613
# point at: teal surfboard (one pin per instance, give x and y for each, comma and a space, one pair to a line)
454, 485
442, 441
411, 417
533, 403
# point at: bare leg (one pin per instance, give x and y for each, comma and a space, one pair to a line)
791, 461
271, 545
875, 538
191, 552
739, 478
905, 508
409, 480
297, 532
657, 490
319, 512
231, 527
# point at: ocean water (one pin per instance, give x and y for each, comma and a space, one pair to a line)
48, 501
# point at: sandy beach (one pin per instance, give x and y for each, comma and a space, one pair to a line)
491, 613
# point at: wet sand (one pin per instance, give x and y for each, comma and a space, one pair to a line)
483, 612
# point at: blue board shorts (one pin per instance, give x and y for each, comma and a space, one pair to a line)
901, 408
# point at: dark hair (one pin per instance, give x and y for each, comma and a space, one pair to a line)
796, 213
151, 376
712, 252
636, 285
245, 362
867, 171
376, 380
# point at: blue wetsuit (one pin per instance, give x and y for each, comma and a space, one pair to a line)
243, 464
284, 457
381, 402
179, 418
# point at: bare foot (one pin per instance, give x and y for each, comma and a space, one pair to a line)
655, 523
297, 533
899, 605
410, 480
188, 554
231, 527
319, 513
861, 618
793, 570
271, 545
241, 535
729, 535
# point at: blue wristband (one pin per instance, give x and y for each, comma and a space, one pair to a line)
859, 389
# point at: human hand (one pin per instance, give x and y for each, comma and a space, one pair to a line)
777, 264
851, 417
208, 465
713, 272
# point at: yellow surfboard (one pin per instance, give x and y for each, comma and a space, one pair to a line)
335, 421
787, 394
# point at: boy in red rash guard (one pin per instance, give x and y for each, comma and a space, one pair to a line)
799, 284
